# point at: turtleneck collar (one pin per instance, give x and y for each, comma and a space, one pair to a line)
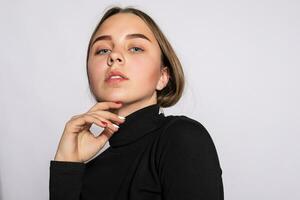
136, 125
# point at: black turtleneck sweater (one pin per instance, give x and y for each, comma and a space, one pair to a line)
150, 157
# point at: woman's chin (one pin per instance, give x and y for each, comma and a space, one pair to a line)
114, 97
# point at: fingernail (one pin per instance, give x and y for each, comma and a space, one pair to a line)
115, 125
121, 117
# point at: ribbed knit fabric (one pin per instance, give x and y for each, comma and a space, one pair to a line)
151, 157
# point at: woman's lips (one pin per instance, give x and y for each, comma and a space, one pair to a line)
115, 80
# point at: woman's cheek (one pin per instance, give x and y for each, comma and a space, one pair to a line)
146, 70
138, 65
96, 70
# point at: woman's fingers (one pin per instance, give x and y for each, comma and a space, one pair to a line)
100, 110
85, 121
109, 116
110, 125
102, 117
77, 143
105, 106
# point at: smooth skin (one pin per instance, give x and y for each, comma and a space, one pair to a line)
139, 60
77, 143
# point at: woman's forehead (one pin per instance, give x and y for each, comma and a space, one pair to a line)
125, 23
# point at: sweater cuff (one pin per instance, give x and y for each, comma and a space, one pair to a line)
65, 180
67, 166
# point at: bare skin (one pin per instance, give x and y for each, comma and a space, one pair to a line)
139, 60
77, 143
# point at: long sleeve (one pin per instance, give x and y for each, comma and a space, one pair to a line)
65, 180
188, 163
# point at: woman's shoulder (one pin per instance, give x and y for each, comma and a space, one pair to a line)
183, 135
185, 131
183, 125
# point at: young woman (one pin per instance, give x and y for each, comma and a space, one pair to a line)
133, 72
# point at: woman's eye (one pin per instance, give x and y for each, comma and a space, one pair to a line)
136, 49
105, 51
102, 51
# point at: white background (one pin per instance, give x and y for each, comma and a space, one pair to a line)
240, 58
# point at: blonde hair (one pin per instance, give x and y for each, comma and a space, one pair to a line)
172, 92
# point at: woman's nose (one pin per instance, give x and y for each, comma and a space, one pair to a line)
115, 57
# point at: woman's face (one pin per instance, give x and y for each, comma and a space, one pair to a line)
126, 44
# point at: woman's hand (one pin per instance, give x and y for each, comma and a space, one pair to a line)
77, 143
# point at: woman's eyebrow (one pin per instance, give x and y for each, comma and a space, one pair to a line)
129, 36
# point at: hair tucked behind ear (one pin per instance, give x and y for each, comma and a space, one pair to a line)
172, 92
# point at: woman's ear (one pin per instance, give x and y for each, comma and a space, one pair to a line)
164, 78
